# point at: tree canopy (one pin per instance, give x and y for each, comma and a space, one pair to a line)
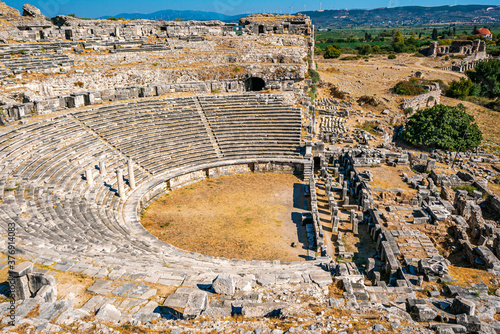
461, 89
446, 127
487, 76
332, 51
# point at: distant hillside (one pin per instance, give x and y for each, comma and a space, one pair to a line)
409, 15
169, 15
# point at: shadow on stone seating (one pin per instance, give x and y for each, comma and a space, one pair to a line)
5, 289
168, 313
111, 189
298, 196
301, 231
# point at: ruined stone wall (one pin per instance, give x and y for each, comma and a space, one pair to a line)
423, 101
277, 24
76, 100
228, 170
186, 179
278, 167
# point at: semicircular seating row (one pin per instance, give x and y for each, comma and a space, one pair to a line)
65, 221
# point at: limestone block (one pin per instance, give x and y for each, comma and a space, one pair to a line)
258, 310
224, 284
463, 306
176, 300
70, 316
108, 312
48, 293
39, 280
196, 304
321, 278
424, 312
21, 269
219, 309
50, 311
19, 288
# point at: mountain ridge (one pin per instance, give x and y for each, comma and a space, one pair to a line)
171, 14
406, 15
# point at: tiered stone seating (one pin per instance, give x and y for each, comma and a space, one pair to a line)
35, 63
63, 219
146, 47
7, 49
45, 189
159, 135
253, 125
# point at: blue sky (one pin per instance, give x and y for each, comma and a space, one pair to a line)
97, 8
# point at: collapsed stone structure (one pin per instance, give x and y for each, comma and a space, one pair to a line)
476, 49
473, 51
423, 101
68, 44
278, 24
79, 168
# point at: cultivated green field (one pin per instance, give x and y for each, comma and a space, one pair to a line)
351, 37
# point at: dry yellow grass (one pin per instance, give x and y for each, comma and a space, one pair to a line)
464, 276
241, 216
495, 188
388, 177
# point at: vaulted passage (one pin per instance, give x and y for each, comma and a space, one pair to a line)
255, 84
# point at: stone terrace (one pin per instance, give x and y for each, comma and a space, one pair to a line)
59, 184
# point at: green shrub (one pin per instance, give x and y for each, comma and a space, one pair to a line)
314, 76
350, 58
332, 51
392, 56
408, 111
487, 76
368, 126
470, 189
460, 89
493, 50
409, 87
364, 49
445, 127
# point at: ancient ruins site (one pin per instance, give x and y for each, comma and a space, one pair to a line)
196, 176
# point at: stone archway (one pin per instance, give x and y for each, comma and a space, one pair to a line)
255, 84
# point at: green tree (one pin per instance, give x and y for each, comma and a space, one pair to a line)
434, 34
397, 37
364, 49
446, 127
460, 89
487, 76
332, 51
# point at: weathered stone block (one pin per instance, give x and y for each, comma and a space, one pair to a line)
424, 312
108, 312
224, 284
258, 310
463, 306
196, 304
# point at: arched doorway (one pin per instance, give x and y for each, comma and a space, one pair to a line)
254, 84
